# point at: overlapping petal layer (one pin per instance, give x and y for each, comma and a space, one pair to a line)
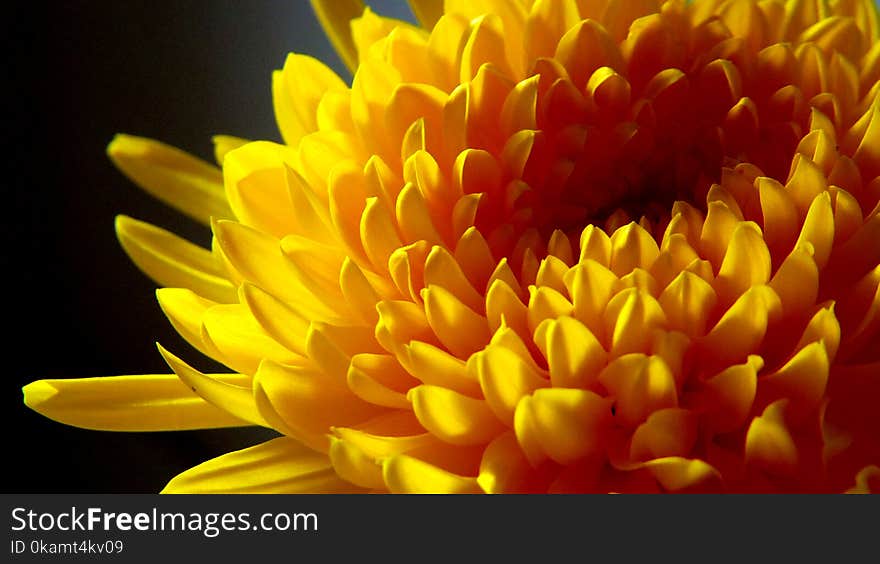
545, 246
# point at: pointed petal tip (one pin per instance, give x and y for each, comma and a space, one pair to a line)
37, 393
124, 144
123, 223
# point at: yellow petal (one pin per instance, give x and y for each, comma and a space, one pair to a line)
806, 182
847, 214
297, 90
282, 323
434, 366
584, 48
799, 15
512, 16
370, 90
378, 235
240, 340
256, 187
731, 394
371, 29
401, 322
573, 354
393, 433
667, 432
595, 245
309, 402
630, 319
769, 444
485, 44
504, 468
281, 465
310, 209
746, 263
441, 269
546, 303
319, 263
675, 473
640, 385
352, 465
172, 261
427, 11
745, 20
458, 327
180, 180
335, 17
547, 21
347, 197
632, 247
380, 380
475, 258
565, 424
796, 281
414, 218
823, 327
331, 346
358, 292
129, 403
405, 474
609, 91
818, 229
453, 417
741, 329
223, 144
444, 49
717, 231
503, 306
687, 303
780, 216
520, 107
406, 266
259, 259
835, 33
233, 396
591, 285
185, 310
802, 380
334, 111
552, 273
504, 378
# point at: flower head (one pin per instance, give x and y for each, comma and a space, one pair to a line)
547, 245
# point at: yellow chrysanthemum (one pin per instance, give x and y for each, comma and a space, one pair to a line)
536, 246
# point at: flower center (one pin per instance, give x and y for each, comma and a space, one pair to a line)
621, 149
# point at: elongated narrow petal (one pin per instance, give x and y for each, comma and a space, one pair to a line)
172, 261
155, 402
180, 180
335, 17
231, 395
405, 474
281, 465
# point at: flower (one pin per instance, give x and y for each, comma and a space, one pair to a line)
537, 246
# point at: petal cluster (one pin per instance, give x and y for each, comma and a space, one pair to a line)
535, 246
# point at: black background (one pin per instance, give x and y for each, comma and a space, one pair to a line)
78, 72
